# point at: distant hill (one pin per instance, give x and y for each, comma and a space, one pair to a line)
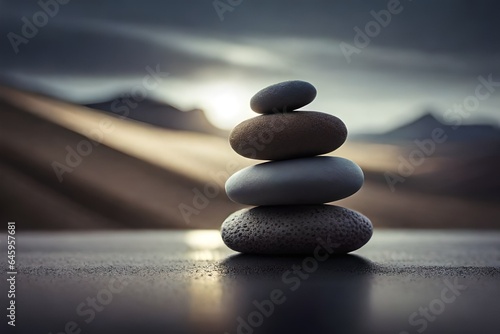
141, 175
464, 164
160, 114
423, 126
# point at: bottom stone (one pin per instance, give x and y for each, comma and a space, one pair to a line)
294, 230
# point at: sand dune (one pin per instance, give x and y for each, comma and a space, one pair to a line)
140, 175
136, 178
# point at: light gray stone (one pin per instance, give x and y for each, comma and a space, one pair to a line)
313, 180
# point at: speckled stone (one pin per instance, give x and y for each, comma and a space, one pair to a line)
287, 136
293, 230
283, 97
312, 180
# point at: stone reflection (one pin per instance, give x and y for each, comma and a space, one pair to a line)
299, 294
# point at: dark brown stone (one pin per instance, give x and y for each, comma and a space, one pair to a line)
288, 135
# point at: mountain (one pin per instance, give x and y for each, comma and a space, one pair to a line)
134, 176
160, 114
463, 163
422, 128
146, 177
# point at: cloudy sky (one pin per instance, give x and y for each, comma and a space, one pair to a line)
426, 56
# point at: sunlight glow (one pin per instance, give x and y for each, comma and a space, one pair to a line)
226, 105
204, 239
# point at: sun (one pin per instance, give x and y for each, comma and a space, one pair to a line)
225, 105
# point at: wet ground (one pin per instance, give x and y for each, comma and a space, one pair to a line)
402, 281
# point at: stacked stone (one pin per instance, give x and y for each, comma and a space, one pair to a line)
289, 192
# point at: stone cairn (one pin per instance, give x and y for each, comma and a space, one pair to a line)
289, 192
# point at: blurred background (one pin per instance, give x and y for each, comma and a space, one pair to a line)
115, 114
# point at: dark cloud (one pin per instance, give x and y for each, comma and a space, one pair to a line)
448, 25
76, 50
429, 45
462, 27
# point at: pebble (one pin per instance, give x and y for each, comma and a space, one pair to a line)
286, 136
283, 97
294, 230
312, 180
289, 192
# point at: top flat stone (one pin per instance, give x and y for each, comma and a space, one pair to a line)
283, 97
